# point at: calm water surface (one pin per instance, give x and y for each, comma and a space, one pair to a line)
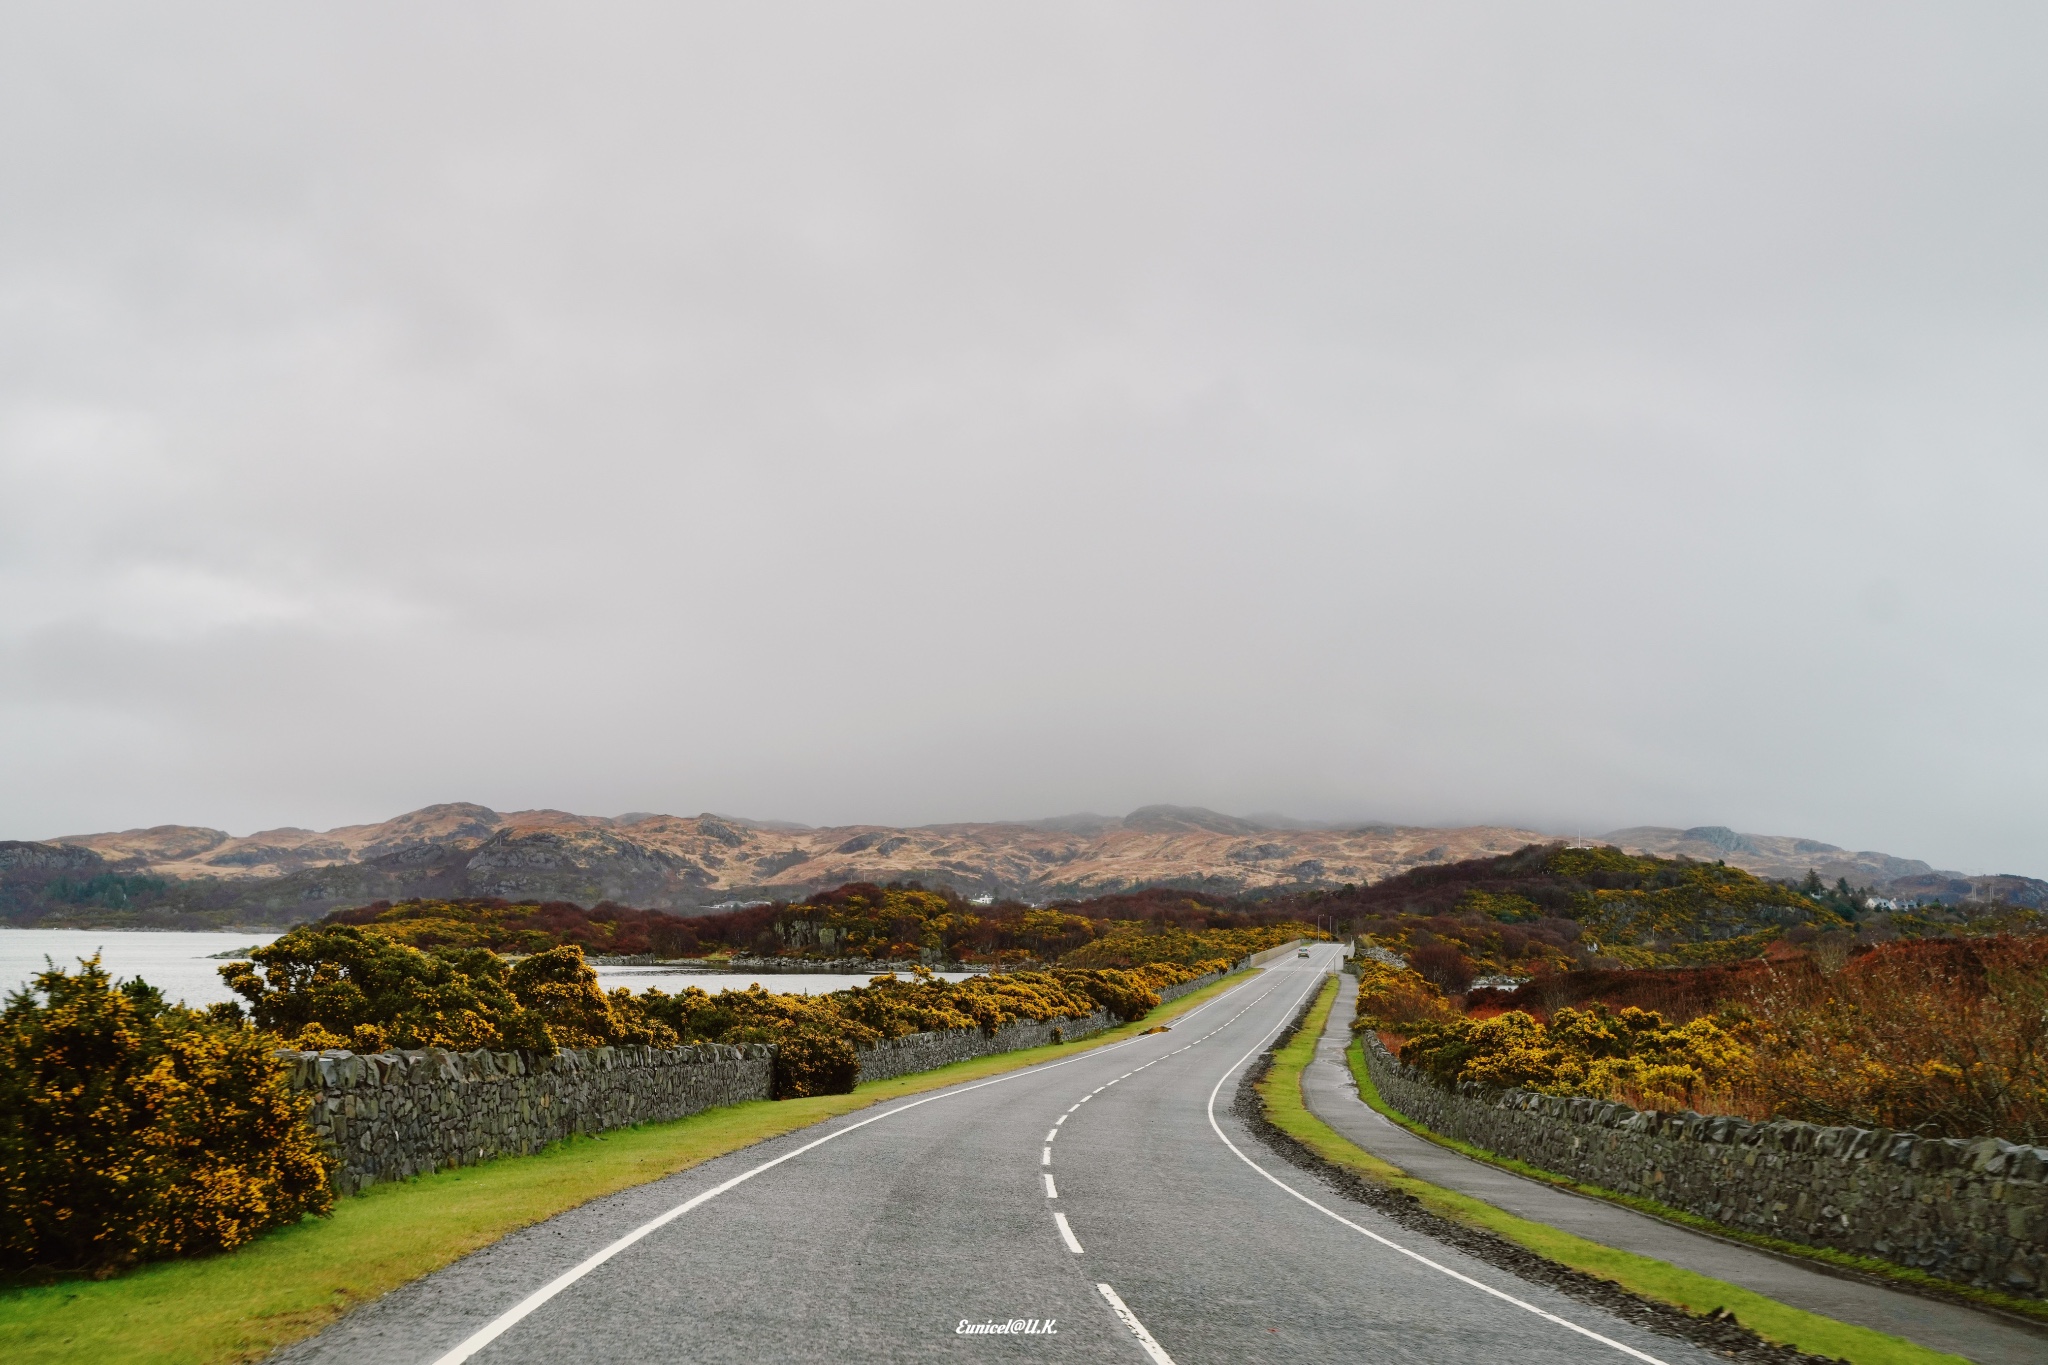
179, 965
183, 967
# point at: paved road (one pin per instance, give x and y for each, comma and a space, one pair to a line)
1332, 1094
875, 1236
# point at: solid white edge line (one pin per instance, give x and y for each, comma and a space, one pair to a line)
1396, 1246
1130, 1320
1052, 1191
1073, 1242
499, 1325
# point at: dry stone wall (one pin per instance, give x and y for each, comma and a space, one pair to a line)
1167, 993
399, 1114
1975, 1211
924, 1051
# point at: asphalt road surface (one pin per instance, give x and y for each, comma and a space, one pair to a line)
1108, 1200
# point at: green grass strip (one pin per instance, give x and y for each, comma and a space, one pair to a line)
1643, 1275
241, 1305
1905, 1276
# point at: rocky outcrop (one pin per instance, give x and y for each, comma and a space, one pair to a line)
1974, 1211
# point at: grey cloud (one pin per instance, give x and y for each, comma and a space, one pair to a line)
1577, 415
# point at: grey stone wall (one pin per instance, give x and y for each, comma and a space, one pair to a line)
1167, 993
399, 1114
924, 1051
1974, 1211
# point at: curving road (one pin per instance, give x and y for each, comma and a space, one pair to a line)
1108, 1199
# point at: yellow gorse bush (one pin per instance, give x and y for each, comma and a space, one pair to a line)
1135, 943
1632, 1054
131, 1130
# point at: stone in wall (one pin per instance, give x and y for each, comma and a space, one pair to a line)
1974, 1211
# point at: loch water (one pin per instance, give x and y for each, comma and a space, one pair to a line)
184, 966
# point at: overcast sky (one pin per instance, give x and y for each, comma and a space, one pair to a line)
1573, 415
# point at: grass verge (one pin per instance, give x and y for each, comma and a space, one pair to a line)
1642, 1275
291, 1283
1903, 1276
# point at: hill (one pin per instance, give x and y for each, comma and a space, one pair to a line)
1789, 859
1546, 909
187, 875
182, 873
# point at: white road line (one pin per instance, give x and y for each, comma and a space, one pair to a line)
1052, 1132
1130, 1320
1385, 1242
1045, 1157
1052, 1191
499, 1325
1073, 1242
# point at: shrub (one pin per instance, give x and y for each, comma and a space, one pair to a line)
1133, 943
344, 983
813, 1061
1396, 999
1945, 1037
559, 988
131, 1130
1634, 1054
1443, 966
342, 986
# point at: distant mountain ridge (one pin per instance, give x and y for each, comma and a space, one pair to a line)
660, 861
1784, 858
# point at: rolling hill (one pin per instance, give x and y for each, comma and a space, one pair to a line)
185, 874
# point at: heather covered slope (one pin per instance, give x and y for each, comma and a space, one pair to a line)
1549, 908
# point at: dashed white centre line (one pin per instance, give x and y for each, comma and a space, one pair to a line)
1052, 1132
1051, 1190
1045, 1158
1073, 1242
